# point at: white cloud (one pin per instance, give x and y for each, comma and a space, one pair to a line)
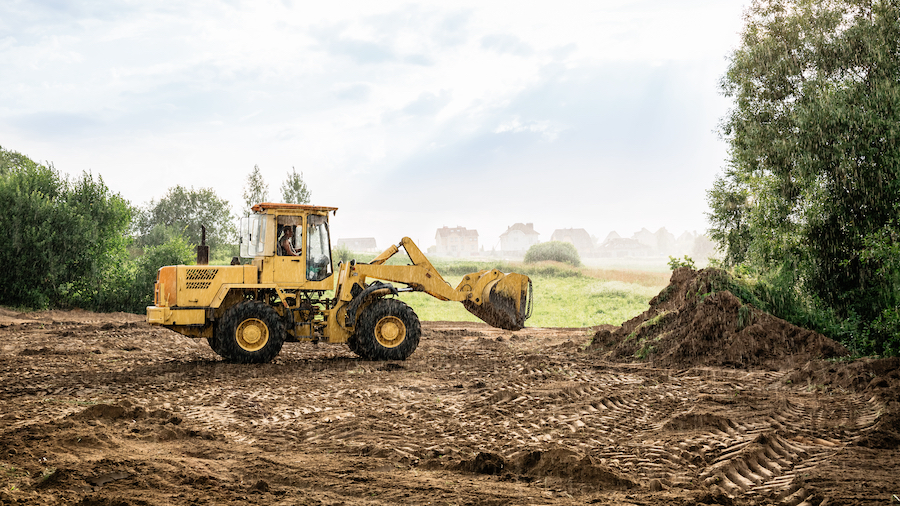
404, 99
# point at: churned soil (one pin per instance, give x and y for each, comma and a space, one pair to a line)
693, 322
103, 409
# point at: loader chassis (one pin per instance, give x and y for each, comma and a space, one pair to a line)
246, 312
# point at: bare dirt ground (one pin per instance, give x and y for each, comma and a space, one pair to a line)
102, 409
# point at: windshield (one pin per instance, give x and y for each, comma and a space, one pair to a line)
318, 253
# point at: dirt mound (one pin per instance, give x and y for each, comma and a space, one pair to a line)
696, 321
560, 464
10, 316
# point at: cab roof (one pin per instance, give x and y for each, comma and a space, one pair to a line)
264, 206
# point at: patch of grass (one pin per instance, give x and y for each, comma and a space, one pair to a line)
564, 296
47, 473
558, 302
647, 324
745, 317
649, 279
645, 350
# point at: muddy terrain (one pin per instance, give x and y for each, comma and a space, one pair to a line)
102, 409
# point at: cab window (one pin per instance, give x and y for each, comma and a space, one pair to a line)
318, 252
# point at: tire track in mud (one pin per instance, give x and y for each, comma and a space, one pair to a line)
616, 417
746, 433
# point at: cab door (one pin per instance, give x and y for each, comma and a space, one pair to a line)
289, 269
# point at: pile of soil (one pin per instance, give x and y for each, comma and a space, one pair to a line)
694, 322
559, 463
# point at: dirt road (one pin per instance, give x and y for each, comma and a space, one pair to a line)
103, 409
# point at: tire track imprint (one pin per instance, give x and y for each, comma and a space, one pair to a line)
749, 434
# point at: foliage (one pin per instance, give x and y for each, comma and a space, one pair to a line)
63, 237
256, 190
182, 212
675, 263
294, 190
556, 251
814, 163
132, 289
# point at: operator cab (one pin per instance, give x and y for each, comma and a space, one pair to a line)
274, 230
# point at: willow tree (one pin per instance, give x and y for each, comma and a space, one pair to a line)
812, 186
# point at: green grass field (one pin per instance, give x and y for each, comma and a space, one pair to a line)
563, 296
558, 302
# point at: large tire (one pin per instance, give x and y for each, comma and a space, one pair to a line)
215, 342
387, 330
250, 332
353, 344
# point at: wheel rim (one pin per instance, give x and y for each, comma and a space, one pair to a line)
252, 334
390, 331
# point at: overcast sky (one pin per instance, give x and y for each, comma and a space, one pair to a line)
408, 116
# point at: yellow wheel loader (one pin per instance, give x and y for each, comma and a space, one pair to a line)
289, 292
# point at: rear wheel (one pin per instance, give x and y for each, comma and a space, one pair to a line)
250, 332
387, 330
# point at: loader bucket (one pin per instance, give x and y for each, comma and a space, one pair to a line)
503, 303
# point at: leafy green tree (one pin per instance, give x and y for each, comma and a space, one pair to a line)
814, 169
13, 161
131, 286
182, 212
294, 190
63, 237
256, 189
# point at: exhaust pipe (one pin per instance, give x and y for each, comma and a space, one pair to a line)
203, 249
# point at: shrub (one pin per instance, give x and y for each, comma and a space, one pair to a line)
554, 250
675, 262
131, 287
63, 237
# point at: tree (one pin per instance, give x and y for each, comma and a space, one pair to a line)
814, 168
256, 189
131, 285
63, 237
294, 190
182, 212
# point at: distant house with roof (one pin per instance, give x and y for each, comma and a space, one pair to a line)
518, 238
358, 244
615, 246
456, 241
577, 236
666, 244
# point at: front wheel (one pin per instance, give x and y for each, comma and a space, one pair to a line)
387, 330
250, 332
217, 345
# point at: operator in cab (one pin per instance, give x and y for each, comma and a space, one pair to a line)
287, 243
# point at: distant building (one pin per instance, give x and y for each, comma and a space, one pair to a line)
577, 236
456, 242
645, 237
685, 243
518, 238
665, 242
358, 244
617, 247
